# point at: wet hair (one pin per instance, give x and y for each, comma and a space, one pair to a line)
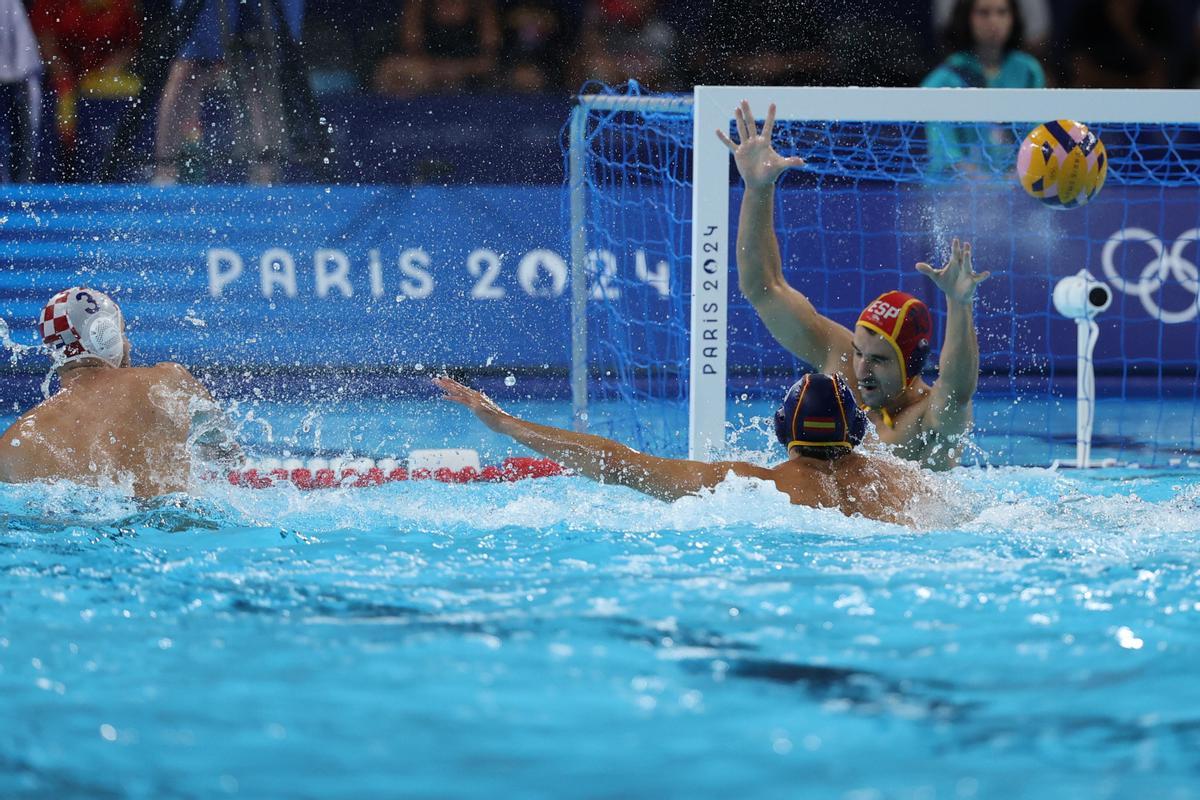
957, 33
821, 453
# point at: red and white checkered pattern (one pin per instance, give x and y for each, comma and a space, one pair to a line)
57, 328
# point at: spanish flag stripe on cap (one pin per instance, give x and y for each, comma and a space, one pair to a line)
899, 326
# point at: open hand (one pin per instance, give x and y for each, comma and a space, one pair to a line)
480, 404
756, 159
957, 280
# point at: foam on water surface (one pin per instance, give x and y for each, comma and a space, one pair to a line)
559, 638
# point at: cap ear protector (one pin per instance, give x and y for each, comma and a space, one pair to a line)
105, 340
782, 422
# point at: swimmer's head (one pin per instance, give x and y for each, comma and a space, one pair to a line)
891, 346
819, 418
80, 323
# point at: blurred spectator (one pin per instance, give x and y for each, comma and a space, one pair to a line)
445, 45
984, 38
623, 39
20, 90
763, 42
87, 46
234, 45
536, 36
1120, 44
1034, 13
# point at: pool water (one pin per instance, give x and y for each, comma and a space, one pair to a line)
556, 638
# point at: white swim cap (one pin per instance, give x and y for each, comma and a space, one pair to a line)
83, 323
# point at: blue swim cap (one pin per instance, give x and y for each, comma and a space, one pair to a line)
819, 411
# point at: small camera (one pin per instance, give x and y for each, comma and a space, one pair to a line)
1081, 296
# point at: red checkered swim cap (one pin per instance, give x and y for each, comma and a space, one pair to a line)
904, 322
83, 323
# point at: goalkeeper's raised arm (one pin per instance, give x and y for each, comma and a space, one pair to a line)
787, 313
885, 354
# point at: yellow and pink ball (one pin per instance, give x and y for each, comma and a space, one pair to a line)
1062, 163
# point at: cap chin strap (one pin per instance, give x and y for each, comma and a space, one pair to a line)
883, 412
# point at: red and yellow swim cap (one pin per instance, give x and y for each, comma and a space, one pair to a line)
905, 322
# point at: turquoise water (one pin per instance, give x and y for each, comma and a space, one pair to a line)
555, 638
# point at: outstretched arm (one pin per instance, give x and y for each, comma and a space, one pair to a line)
210, 432
598, 458
958, 369
787, 313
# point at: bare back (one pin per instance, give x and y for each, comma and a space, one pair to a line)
857, 483
108, 426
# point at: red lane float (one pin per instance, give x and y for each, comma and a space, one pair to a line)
511, 469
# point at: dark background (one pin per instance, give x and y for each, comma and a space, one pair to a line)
504, 124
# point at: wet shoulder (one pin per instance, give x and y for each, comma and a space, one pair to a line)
886, 475
167, 388
805, 482
165, 372
171, 368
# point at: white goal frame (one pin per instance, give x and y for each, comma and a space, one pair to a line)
712, 108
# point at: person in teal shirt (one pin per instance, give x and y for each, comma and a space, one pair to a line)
985, 39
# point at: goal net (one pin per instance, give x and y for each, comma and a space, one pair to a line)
671, 358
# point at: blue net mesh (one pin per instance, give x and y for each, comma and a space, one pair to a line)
874, 199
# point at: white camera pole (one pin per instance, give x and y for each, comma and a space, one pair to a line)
1081, 297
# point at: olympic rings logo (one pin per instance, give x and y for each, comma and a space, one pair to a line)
1165, 265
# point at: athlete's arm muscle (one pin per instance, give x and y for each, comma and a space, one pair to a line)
787, 313
598, 458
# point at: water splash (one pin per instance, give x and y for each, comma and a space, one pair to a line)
17, 351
